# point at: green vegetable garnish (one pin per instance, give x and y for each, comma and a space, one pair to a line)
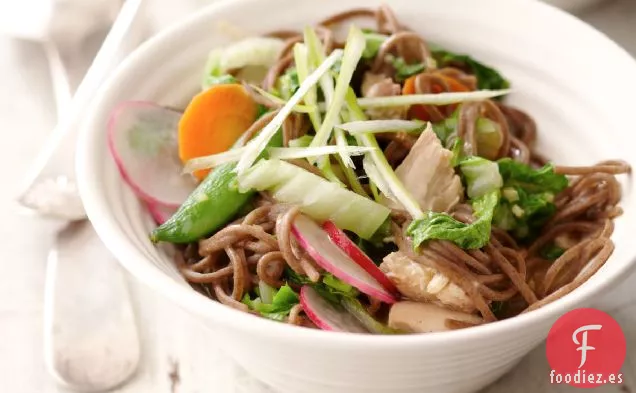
355, 308
385, 172
544, 179
255, 147
342, 294
374, 42
284, 299
528, 197
318, 198
498, 308
261, 110
487, 77
489, 138
252, 56
330, 287
444, 227
212, 80
552, 252
481, 175
403, 70
446, 128
457, 151
287, 83
337, 286
303, 141
210, 206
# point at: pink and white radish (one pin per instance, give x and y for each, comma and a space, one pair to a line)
160, 213
331, 258
326, 315
349, 247
142, 138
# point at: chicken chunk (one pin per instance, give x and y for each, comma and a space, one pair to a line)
428, 175
379, 85
426, 318
422, 283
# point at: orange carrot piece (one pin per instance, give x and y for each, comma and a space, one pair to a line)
418, 111
213, 121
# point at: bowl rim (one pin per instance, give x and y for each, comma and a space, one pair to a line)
196, 303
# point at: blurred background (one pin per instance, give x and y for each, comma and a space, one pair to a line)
27, 116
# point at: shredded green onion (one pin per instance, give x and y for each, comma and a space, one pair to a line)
258, 144
316, 55
303, 141
302, 67
384, 170
213, 160
352, 53
379, 126
287, 153
376, 177
281, 153
429, 99
277, 100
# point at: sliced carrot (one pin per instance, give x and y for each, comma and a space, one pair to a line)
418, 111
213, 121
409, 86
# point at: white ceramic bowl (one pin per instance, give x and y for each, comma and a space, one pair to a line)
573, 5
575, 81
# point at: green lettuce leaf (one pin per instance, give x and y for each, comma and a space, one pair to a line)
296, 278
374, 42
334, 289
213, 80
444, 227
403, 70
329, 286
552, 252
355, 308
261, 110
487, 78
287, 84
481, 176
528, 197
284, 299
543, 179
338, 286
446, 128
344, 295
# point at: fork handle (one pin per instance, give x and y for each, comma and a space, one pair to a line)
91, 343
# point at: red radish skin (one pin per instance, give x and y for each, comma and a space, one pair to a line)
325, 315
342, 240
116, 127
160, 213
330, 257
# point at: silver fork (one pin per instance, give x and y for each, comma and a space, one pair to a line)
90, 333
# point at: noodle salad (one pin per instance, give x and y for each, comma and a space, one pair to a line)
366, 182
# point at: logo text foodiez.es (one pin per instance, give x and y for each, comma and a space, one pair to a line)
586, 348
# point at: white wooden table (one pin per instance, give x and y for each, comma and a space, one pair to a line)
173, 358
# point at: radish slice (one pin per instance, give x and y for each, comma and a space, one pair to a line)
331, 258
160, 213
328, 316
342, 240
142, 138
